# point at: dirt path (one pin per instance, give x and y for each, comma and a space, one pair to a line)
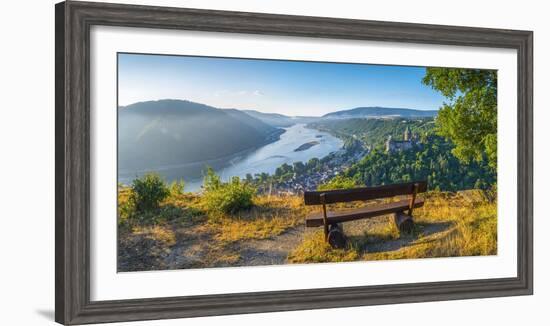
197, 246
272, 251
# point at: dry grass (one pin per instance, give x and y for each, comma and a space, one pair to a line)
472, 231
183, 220
162, 234
462, 224
269, 217
314, 249
380, 233
145, 247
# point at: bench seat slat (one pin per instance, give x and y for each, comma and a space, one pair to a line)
316, 219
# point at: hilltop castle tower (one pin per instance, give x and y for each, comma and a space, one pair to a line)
407, 134
409, 139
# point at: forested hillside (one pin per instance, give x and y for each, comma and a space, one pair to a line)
431, 160
374, 132
379, 112
166, 132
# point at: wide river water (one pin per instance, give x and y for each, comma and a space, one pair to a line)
264, 159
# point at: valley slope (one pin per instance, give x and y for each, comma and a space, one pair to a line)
174, 132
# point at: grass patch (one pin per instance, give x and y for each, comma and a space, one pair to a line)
162, 234
314, 249
471, 231
381, 233
269, 217
449, 225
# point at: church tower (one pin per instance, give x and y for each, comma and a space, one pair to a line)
407, 135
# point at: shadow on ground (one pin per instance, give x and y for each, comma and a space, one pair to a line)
421, 230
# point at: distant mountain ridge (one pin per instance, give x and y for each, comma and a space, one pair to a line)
174, 132
279, 120
380, 112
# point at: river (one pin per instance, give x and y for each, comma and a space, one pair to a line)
264, 159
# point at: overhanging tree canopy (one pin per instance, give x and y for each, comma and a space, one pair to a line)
469, 119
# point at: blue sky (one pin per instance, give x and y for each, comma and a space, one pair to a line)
287, 87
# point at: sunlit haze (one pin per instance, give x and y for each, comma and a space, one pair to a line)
287, 87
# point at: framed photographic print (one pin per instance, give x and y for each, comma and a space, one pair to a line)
215, 162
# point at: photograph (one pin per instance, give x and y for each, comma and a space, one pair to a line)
234, 162
274, 162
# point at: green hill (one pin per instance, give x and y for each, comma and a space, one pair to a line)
374, 132
376, 111
175, 132
279, 120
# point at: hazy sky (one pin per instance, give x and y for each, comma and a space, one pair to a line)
287, 87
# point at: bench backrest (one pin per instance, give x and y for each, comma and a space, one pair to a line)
365, 193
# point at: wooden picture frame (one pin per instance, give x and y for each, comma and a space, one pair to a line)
72, 192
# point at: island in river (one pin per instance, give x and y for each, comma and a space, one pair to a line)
306, 146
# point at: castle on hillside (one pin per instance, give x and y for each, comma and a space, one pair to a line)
409, 140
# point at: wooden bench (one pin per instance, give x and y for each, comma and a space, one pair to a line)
331, 220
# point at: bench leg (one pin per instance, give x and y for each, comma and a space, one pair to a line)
336, 237
326, 231
404, 222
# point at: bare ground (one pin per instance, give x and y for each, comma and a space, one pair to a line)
271, 251
196, 246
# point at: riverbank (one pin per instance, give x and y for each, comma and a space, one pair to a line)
265, 161
260, 165
192, 172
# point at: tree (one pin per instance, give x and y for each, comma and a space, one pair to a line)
469, 119
339, 182
299, 167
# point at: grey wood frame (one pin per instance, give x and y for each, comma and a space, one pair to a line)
72, 180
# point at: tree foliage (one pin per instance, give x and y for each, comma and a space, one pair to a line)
469, 119
372, 132
339, 182
431, 161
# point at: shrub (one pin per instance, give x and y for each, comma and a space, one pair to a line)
177, 187
125, 207
147, 192
227, 198
338, 182
212, 181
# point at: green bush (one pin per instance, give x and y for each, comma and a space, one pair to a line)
212, 181
147, 192
177, 187
338, 182
227, 198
